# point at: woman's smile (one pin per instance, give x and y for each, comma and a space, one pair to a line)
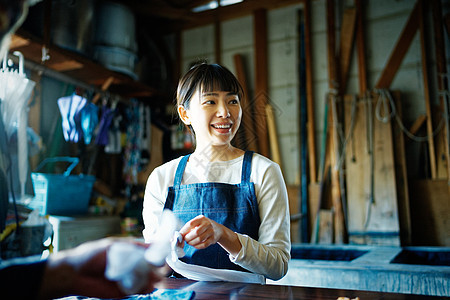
222, 128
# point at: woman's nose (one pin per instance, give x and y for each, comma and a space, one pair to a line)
223, 111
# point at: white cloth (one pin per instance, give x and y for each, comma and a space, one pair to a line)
269, 255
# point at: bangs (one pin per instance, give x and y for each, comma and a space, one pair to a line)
204, 78
219, 79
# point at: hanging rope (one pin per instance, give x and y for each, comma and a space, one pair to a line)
385, 100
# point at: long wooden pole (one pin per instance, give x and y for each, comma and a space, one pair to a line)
309, 94
339, 222
441, 67
361, 47
431, 148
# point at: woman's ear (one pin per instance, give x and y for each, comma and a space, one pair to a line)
184, 116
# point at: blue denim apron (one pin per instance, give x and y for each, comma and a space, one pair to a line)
232, 205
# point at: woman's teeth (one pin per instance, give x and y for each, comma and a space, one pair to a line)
222, 126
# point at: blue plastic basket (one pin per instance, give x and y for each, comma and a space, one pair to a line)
61, 194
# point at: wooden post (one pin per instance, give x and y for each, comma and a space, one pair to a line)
431, 149
361, 48
261, 84
339, 222
309, 94
273, 137
247, 109
346, 46
401, 177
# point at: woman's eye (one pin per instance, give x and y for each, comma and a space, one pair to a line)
209, 102
234, 101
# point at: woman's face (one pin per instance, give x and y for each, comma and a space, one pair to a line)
215, 117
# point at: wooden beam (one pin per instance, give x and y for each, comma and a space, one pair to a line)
361, 48
400, 50
261, 80
417, 124
423, 44
105, 87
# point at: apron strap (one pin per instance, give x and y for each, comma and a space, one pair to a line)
180, 170
247, 166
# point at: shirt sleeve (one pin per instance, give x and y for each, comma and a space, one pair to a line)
154, 200
21, 279
269, 255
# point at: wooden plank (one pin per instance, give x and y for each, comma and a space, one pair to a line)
273, 136
346, 46
443, 153
357, 166
326, 226
431, 149
430, 212
381, 216
361, 47
313, 205
309, 94
401, 176
293, 191
385, 211
261, 79
400, 50
247, 109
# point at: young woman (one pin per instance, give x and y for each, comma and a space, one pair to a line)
233, 203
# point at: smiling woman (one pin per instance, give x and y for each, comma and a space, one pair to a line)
233, 203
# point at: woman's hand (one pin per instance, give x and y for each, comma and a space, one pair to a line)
202, 232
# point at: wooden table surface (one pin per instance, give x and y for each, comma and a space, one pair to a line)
231, 290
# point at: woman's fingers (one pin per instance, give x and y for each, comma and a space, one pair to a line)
200, 232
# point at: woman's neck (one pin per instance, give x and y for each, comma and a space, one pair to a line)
216, 153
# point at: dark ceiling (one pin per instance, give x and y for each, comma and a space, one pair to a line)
173, 15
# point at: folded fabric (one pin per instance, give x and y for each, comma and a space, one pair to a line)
201, 273
70, 107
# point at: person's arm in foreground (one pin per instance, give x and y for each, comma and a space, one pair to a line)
81, 271
78, 271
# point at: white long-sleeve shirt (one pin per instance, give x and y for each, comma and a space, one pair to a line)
270, 254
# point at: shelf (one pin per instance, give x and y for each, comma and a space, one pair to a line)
78, 67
